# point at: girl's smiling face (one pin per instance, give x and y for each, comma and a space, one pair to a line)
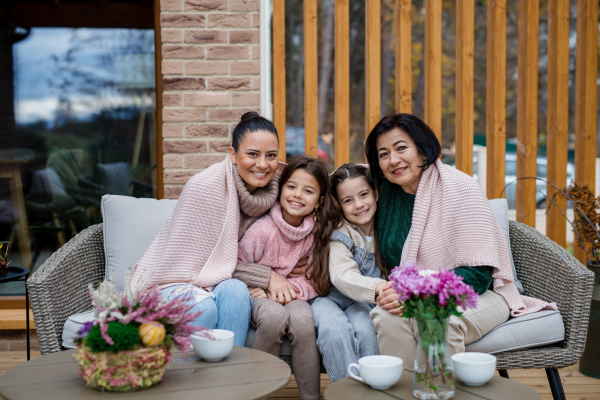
256, 159
358, 202
299, 196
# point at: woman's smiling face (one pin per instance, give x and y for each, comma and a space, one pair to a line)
399, 159
256, 158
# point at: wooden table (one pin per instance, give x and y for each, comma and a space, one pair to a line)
245, 374
497, 389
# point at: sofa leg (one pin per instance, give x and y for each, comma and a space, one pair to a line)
503, 373
555, 384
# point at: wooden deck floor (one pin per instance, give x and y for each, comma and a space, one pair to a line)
576, 385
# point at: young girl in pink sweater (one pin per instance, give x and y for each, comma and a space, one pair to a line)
279, 240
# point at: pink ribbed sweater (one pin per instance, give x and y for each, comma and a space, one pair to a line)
273, 242
453, 225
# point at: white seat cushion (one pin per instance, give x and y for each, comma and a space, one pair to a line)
72, 326
531, 330
130, 226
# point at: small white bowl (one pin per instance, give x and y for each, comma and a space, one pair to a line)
213, 348
474, 369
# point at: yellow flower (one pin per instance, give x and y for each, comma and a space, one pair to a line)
152, 334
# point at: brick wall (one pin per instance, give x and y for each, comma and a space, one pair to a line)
210, 67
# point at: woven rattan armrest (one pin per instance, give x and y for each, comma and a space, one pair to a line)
550, 273
59, 288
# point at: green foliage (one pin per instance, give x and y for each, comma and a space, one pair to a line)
420, 307
125, 337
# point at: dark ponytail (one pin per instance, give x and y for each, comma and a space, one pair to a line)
251, 122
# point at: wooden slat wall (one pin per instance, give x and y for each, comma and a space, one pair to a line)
342, 82
465, 31
403, 47
586, 75
311, 78
279, 100
433, 66
558, 114
373, 64
527, 109
496, 98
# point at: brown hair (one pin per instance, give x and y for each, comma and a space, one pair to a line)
324, 226
348, 171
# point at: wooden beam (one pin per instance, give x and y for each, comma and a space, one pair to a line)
311, 79
558, 115
373, 64
77, 15
465, 42
496, 98
279, 100
586, 75
342, 82
160, 189
527, 106
433, 66
404, 56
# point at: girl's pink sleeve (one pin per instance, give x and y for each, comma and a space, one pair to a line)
303, 287
252, 246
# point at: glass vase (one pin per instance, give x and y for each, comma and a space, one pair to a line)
433, 375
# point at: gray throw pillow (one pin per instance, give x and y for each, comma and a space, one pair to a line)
130, 226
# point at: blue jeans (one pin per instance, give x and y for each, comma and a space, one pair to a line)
229, 308
345, 333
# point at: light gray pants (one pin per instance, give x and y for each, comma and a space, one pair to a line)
397, 336
272, 321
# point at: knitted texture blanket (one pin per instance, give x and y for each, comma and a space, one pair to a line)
273, 242
199, 242
453, 225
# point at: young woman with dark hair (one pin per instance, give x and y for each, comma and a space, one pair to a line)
196, 251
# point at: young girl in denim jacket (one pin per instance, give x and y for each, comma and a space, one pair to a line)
344, 329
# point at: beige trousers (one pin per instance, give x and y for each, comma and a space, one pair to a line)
397, 336
272, 322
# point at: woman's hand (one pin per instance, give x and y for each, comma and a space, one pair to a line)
280, 289
388, 299
258, 292
300, 268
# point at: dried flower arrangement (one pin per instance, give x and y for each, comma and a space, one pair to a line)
128, 345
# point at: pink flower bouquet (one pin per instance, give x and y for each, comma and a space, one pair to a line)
431, 297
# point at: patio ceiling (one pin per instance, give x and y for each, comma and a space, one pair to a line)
138, 14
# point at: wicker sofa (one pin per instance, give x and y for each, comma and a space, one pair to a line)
58, 289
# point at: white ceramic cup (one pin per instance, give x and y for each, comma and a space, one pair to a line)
213, 348
474, 369
379, 372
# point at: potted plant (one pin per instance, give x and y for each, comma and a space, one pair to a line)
431, 297
128, 345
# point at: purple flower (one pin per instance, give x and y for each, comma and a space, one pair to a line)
411, 281
84, 330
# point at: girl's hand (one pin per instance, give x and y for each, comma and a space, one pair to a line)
300, 268
280, 290
258, 292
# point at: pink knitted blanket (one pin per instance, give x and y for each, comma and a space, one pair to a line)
273, 242
453, 225
198, 244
